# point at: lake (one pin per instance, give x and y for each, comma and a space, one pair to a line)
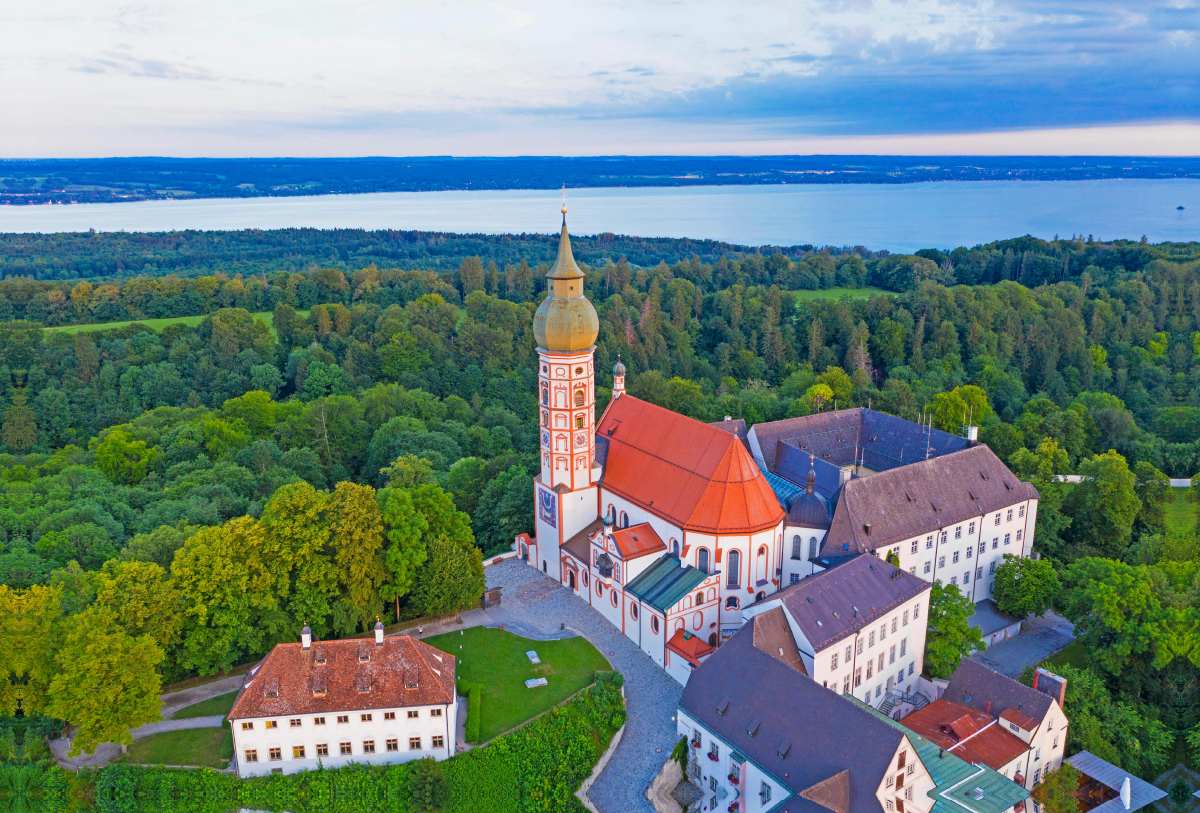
901, 217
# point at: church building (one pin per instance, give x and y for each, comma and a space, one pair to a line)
679, 532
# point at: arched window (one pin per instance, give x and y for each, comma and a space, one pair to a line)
624, 520
761, 595
674, 546
702, 560
616, 571
612, 594
712, 639
654, 624
579, 396
544, 566
812, 548
700, 597
733, 564
545, 397
731, 603
599, 588
585, 578
633, 611
797, 550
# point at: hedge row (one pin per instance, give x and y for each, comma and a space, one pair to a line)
474, 693
534, 770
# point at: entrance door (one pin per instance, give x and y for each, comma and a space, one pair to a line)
891, 682
571, 579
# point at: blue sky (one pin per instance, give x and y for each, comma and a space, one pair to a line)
380, 77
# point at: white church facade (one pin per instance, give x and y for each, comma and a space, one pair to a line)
679, 532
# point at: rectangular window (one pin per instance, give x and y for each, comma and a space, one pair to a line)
895, 621
916, 611
414, 743
715, 750
435, 712
900, 677
997, 522
971, 528
914, 546
878, 691
846, 685
954, 579
251, 755
345, 749
882, 631
1009, 517
764, 793
903, 646
970, 552
297, 752
1018, 534
870, 669
247, 726
1021, 511
858, 677
905, 621
366, 718
958, 532
995, 542
910, 669
318, 721
438, 741
368, 746
967, 577
271, 724
413, 714
928, 542
794, 578
992, 567
941, 561
880, 661
982, 546
343, 718
393, 744
889, 782
978, 573
892, 654
833, 661
1055, 741
275, 754
322, 749
294, 722
955, 559
871, 639
913, 570
928, 566
1006, 538
847, 654
943, 536
389, 715
860, 646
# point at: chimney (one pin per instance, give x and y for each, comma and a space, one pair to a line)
1051, 684
306, 638
845, 476
1125, 793
378, 633
973, 433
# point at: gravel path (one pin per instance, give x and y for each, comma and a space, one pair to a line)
534, 606
175, 701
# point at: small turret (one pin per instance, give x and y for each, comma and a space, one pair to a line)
618, 387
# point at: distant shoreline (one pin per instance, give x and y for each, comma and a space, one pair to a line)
123, 180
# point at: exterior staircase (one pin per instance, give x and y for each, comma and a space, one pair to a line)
893, 699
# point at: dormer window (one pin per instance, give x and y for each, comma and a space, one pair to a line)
410, 677
364, 652
271, 687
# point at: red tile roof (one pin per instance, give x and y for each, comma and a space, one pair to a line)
638, 540
1019, 717
968, 733
292, 680
692, 474
691, 647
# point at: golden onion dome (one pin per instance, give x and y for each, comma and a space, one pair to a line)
565, 322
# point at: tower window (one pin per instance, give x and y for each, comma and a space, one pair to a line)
578, 421
579, 397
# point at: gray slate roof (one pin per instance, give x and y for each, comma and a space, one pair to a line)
665, 582
924, 497
1141, 793
974, 685
821, 733
870, 584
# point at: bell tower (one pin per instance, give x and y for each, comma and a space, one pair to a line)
565, 328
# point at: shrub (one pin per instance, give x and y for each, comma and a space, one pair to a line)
427, 786
474, 693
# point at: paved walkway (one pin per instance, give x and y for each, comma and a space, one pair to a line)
534, 606
172, 703
1040, 638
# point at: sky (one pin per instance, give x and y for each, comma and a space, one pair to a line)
85, 78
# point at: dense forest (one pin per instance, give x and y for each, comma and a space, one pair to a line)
101, 180
196, 494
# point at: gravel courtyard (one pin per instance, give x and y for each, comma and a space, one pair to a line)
534, 605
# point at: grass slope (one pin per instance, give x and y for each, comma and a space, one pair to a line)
221, 704
496, 659
193, 746
1181, 514
155, 324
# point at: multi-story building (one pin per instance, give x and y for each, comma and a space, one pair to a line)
764, 736
329, 703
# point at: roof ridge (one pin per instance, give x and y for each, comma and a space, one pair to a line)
421, 655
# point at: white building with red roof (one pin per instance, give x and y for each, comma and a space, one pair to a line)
330, 703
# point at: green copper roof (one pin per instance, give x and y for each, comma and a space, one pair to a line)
958, 781
665, 582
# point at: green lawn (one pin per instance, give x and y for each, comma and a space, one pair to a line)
155, 324
1181, 514
193, 746
1073, 654
496, 659
838, 293
221, 704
